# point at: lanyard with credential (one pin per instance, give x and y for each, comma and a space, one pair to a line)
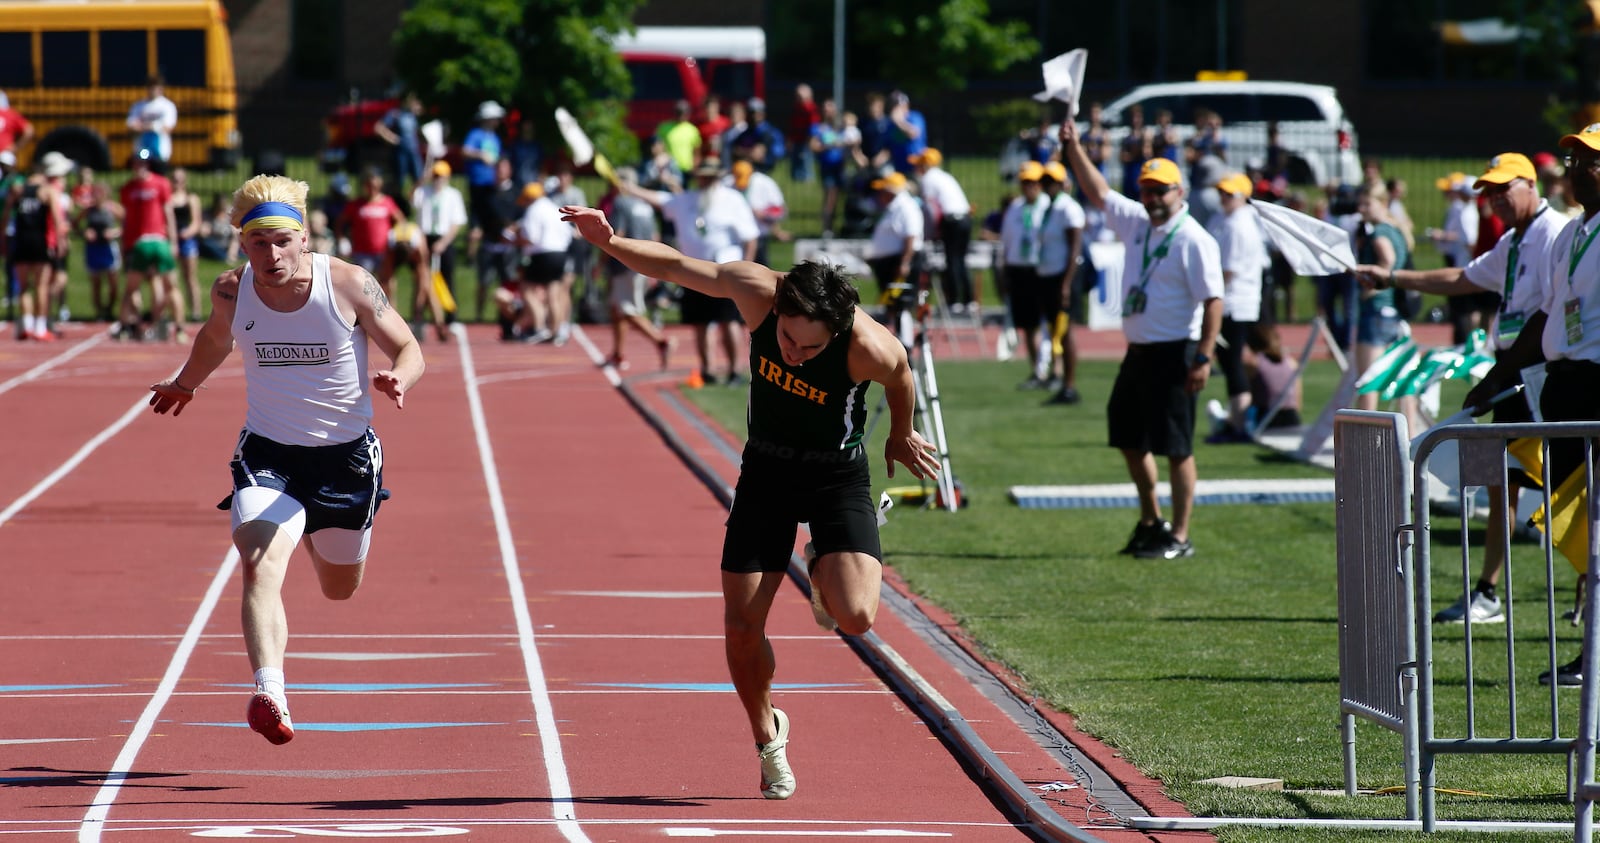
1516, 254
1577, 253
1149, 266
1135, 301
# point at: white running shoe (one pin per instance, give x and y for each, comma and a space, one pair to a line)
1482, 609
777, 780
819, 612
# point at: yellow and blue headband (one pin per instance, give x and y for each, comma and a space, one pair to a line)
272, 215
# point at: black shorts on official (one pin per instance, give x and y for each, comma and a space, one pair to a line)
1230, 354
543, 267
778, 490
1023, 283
339, 485
1151, 408
697, 308
1571, 393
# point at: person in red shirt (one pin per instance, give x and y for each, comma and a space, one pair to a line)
801, 119
14, 128
149, 246
369, 223
713, 128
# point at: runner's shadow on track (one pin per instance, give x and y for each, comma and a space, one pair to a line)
51, 777
359, 805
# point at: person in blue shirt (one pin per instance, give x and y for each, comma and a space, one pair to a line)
399, 129
481, 152
761, 133
908, 133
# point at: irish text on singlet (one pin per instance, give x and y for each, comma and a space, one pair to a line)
814, 407
304, 371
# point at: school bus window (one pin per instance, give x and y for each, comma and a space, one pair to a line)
182, 56
124, 58
16, 60
66, 59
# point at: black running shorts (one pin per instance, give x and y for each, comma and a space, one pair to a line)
776, 494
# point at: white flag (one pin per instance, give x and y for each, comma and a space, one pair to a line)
577, 141
1313, 247
1063, 79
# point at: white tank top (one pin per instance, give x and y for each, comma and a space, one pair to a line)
305, 372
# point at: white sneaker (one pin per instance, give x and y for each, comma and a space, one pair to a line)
777, 780
819, 612
1483, 609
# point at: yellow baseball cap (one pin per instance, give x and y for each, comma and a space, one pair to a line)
893, 182
1237, 184
930, 156
441, 168
1505, 168
741, 174
1589, 136
1030, 171
1057, 171
1160, 171
1444, 183
533, 190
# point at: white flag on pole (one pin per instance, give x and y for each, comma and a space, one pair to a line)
1063, 79
1313, 247
573, 134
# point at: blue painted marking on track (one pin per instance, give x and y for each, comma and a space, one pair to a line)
373, 687
712, 687
357, 727
19, 689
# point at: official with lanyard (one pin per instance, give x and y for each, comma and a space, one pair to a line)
1519, 268
1565, 332
1172, 311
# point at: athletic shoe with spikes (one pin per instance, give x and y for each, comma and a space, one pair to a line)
270, 718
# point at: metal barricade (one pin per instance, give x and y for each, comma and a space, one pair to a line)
1377, 653
1481, 462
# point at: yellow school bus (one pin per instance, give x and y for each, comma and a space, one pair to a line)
74, 68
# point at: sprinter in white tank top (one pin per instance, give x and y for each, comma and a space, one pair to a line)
302, 321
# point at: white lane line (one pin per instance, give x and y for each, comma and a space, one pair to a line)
94, 821
83, 453
53, 362
561, 803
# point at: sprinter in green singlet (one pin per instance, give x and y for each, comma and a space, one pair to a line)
813, 354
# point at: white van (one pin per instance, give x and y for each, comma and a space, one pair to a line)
1311, 123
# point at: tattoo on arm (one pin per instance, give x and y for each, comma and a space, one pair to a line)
224, 296
374, 293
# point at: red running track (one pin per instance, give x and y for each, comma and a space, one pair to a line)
535, 655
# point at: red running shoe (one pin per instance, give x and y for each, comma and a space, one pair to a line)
266, 716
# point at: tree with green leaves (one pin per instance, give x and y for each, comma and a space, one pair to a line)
924, 46
531, 55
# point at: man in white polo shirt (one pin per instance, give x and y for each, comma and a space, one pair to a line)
1172, 311
1244, 257
952, 215
897, 238
1517, 268
1564, 330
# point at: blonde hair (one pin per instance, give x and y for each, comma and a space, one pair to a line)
268, 189
1375, 191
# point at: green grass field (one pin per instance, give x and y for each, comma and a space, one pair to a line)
1223, 664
